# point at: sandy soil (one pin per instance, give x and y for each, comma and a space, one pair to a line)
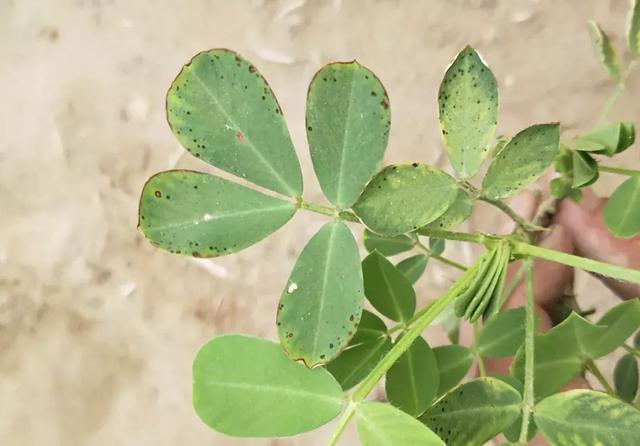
97, 328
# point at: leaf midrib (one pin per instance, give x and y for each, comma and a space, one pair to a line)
343, 150
273, 389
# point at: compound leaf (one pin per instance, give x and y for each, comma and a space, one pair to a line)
223, 111
625, 377
348, 120
622, 211
387, 246
321, 304
522, 161
502, 335
587, 417
380, 424
402, 198
604, 50
247, 387
193, 213
413, 267
468, 111
454, 362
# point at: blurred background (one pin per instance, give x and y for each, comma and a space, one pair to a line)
97, 328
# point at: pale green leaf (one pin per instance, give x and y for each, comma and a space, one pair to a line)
348, 120
223, 111
247, 387
405, 197
585, 169
586, 417
633, 28
454, 362
388, 290
380, 424
604, 51
387, 246
458, 212
625, 377
468, 111
502, 335
522, 161
413, 267
321, 304
474, 412
192, 213
622, 211
436, 246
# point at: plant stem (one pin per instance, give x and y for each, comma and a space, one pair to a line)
634, 351
504, 207
595, 371
476, 353
439, 258
528, 398
594, 266
618, 170
344, 421
450, 235
318, 208
615, 94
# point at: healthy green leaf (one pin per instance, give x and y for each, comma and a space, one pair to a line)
605, 52
436, 246
223, 111
458, 212
405, 197
522, 161
474, 412
503, 335
585, 417
247, 387
622, 211
192, 213
348, 120
608, 140
321, 304
370, 343
412, 382
387, 246
380, 424
454, 362
388, 290
636, 340
633, 28
625, 377
413, 267
585, 169
468, 111
621, 322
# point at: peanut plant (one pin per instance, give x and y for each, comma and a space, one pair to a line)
331, 352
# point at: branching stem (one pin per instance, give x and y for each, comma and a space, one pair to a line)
439, 258
615, 94
595, 371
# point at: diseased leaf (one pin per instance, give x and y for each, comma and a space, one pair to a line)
622, 211
621, 322
474, 412
458, 212
605, 52
625, 377
370, 343
192, 213
522, 161
388, 290
633, 29
586, 417
247, 387
454, 362
405, 197
468, 111
321, 304
503, 335
585, 169
412, 382
387, 246
348, 120
381, 424
413, 267
223, 111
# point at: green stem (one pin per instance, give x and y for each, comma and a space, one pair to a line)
615, 94
528, 397
595, 371
318, 208
504, 207
450, 235
476, 353
634, 351
439, 258
344, 421
594, 266
618, 170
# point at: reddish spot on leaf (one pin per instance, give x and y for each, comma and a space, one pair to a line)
240, 137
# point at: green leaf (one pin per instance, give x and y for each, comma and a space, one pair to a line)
503, 335
370, 343
388, 290
604, 51
585, 169
625, 377
405, 197
321, 304
412, 382
608, 140
387, 246
348, 120
522, 161
468, 111
413, 267
192, 213
223, 111
636, 340
458, 212
559, 187
621, 322
454, 362
474, 412
436, 246
633, 28
622, 211
585, 417
380, 424
247, 387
